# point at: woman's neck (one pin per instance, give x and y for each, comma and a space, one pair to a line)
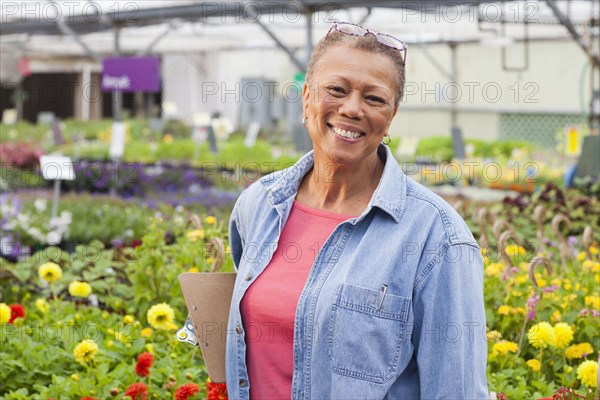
339, 188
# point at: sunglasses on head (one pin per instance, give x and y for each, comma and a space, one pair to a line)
383, 38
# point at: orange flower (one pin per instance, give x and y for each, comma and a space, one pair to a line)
185, 391
145, 361
137, 391
216, 391
16, 311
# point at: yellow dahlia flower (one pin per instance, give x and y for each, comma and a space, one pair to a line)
535, 365
504, 347
587, 373
563, 334
578, 350
210, 220
493, 336
4, 314
42, 305
50, 272
541, 335
85, 351
128, 319
197, 234
160, 316
494, 269
146, 332
504, 310
593, 266
514, 250
80, 289
593, 301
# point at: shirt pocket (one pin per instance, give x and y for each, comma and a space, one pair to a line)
365, 334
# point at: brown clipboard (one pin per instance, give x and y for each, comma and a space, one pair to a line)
208, 297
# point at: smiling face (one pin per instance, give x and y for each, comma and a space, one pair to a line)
349, 104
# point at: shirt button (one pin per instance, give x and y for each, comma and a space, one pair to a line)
238, 329
242, 383
248, 277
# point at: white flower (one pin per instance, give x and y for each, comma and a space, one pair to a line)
55, 222
179, 208
40, 204
66, 217
129, 233
36, 234
93, 300
23, 218
53, 237
6, 209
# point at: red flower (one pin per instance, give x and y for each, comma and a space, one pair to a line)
88, 398
145, 361
216, 391
16, 311
185, 391
137, 391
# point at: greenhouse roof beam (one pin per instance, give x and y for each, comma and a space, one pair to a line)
64, 28
157, 39
281, 45
82, 24
594, 58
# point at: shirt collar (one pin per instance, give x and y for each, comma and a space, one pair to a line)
389, 196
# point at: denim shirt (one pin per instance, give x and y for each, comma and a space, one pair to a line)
393, 305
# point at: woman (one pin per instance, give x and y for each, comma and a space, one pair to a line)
354, 282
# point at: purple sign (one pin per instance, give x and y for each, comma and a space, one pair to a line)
131, 74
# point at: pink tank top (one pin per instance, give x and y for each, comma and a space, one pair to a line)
269, 305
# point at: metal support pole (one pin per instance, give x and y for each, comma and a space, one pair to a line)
64, 28
117, 95
364, 18
594, 58
86, 74
453, 66
309, 37
283, 47
117, 117
55, 198
435, 63
156, 40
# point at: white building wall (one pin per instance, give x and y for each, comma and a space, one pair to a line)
551, 84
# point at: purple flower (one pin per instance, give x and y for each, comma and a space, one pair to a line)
572, 240
586, 312
550, 289
531, 305
533, 300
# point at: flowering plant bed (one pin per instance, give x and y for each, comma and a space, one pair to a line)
101, 324
542, 316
